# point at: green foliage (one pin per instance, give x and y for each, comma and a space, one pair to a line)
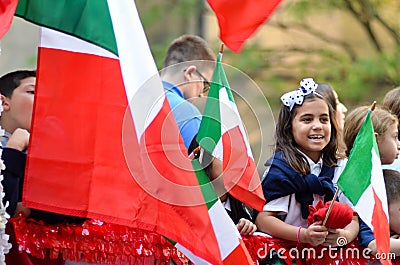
359, 73
366, 79
164, 20
301, 8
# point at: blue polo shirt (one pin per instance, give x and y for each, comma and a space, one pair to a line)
186, 115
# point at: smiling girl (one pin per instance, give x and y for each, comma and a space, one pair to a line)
302, 169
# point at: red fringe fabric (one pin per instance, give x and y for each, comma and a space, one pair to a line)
96, 242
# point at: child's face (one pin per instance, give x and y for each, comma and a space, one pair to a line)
389, 144
20, 106
311, 127
394, 216
194, 87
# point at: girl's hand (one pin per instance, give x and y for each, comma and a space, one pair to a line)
335, 238
246, 227
315, 234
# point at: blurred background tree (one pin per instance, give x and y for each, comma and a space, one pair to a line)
352, 44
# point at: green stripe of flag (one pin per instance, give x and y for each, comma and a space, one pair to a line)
356, 176
210, 197
224, 80
87, 20
210, 126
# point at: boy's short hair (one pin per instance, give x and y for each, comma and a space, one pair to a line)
12, 80
188, 48
392, 183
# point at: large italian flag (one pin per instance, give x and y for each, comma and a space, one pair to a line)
362, 182
222, 133
103, 144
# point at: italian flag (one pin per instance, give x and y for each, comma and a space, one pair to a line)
222, 133
7, 10
364, 169
230, 244
238, 20
103, 144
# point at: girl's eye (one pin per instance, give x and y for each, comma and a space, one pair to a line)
325, 120
307, 119
31, 92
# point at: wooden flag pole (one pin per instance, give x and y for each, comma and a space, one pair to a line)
372, 106
330, 207
221, 48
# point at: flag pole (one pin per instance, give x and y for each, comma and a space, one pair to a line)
372, 108
337, 190
221, 48
330, 207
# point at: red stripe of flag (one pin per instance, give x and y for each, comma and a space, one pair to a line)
240, 172
381, 230
7, 10
239, 19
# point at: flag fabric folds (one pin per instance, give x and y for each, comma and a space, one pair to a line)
222, 133
103, 139
7, 10
364, 168
239, 19
230, 243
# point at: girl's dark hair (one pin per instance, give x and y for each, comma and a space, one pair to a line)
285, 141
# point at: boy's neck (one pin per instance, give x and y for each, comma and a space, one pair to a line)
7, 125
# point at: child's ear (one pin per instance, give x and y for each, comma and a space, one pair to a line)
376, 136
4, 102
189, 72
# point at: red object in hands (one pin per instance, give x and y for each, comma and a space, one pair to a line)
340, 216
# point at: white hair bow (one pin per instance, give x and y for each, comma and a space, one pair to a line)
307, 86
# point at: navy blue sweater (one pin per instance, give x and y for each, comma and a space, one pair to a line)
282, 180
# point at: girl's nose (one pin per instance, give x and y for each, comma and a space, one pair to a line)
317, 125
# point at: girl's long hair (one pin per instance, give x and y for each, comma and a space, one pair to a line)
285, 141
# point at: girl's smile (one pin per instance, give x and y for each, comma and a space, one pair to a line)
311, 127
